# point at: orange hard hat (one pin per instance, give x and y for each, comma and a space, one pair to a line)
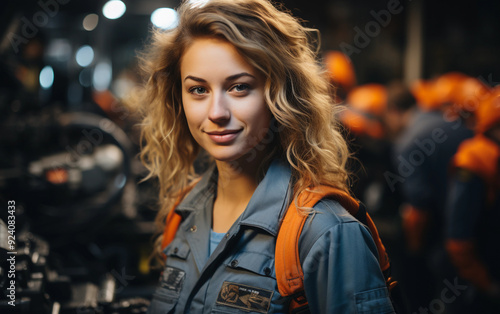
365, 106
469, 94
433, 94
340, 69
488, 112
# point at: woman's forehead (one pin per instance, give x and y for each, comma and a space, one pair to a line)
211, 56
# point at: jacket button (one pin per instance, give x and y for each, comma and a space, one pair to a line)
267, 271
234, 263
227, 235
176, 250
193, 229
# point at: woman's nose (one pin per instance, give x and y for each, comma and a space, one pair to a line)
219, 110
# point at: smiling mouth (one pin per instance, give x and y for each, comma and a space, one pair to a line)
224, 136
223, 132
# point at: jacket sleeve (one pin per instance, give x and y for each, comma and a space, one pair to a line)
342, 273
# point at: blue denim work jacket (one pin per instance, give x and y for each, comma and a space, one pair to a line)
339, 258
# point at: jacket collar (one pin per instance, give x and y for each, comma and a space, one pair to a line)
266, 207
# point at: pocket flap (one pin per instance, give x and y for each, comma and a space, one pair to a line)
177, 248
255, 262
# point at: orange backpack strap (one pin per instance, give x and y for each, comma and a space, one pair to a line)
289, 274
173, 219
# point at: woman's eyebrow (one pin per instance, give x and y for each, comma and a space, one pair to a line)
229, 78
194, 78
237, 76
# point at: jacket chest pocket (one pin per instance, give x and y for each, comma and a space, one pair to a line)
172, 278
249, 285
253, 262
168, 291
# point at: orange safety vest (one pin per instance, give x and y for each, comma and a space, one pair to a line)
478, 155
289, 274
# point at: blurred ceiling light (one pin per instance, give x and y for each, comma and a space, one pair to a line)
114, 9
46, 77
90, 22
122, 86
84, 56
102, 76
85, 77
165, 18
59, 49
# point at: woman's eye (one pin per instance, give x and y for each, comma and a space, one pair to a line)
240, 88
197, 90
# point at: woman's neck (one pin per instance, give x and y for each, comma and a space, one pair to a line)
235, 187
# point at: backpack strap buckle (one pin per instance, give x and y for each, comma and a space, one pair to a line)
297, 302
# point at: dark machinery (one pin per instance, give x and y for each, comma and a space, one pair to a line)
75, 222
78, 242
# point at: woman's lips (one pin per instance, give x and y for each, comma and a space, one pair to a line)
223, 137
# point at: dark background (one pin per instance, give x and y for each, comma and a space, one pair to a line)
456, 35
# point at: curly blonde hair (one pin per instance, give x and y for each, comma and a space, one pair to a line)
296, 90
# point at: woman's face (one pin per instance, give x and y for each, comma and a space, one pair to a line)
223, 99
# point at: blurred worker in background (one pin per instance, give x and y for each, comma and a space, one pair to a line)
421, 158
341, 73
375, 115
473, 210
465, 100
362, 116
401, 105
366, 105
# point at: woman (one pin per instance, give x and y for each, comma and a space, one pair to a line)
239, 80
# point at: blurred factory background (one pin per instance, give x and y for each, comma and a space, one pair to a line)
68, 145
